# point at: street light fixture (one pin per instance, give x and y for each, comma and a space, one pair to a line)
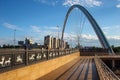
58, 36
14, 37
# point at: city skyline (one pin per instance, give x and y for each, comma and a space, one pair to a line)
38, 18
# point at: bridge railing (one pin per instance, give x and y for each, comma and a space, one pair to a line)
12, 59
104, 71
93, 52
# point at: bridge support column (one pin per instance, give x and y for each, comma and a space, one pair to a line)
113, 63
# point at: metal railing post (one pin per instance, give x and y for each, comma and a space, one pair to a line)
47, 54
26, 56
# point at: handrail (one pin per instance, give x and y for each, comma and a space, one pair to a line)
104, 71
11, 59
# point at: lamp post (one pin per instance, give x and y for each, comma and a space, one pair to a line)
14, 37
78, 40
58, 31
58, 36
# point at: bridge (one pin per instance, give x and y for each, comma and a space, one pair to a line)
61, 64
56, 65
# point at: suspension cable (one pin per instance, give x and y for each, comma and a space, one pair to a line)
82, 24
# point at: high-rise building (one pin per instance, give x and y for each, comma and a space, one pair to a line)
29, 43
67, 45
64, 44
54, 43
47, 42
20, 43
51, 42
58, 43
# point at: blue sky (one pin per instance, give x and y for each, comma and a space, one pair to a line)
38, 18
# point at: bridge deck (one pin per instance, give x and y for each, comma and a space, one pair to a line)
82, 68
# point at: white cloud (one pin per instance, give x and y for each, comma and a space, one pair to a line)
71, 2
45, 30
85, 39
111, 30
89, 3
11, 26
38, 34
42, 1
69, 36
112, 34
74, 37
48, 2
92, 3
114, 37
51, 28
54, 28
35, 29
2, 41
6, 41
118, 5
89, 37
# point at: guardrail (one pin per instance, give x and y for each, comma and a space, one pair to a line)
104, 71
12, 59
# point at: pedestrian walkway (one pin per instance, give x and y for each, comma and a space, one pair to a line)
82, 68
